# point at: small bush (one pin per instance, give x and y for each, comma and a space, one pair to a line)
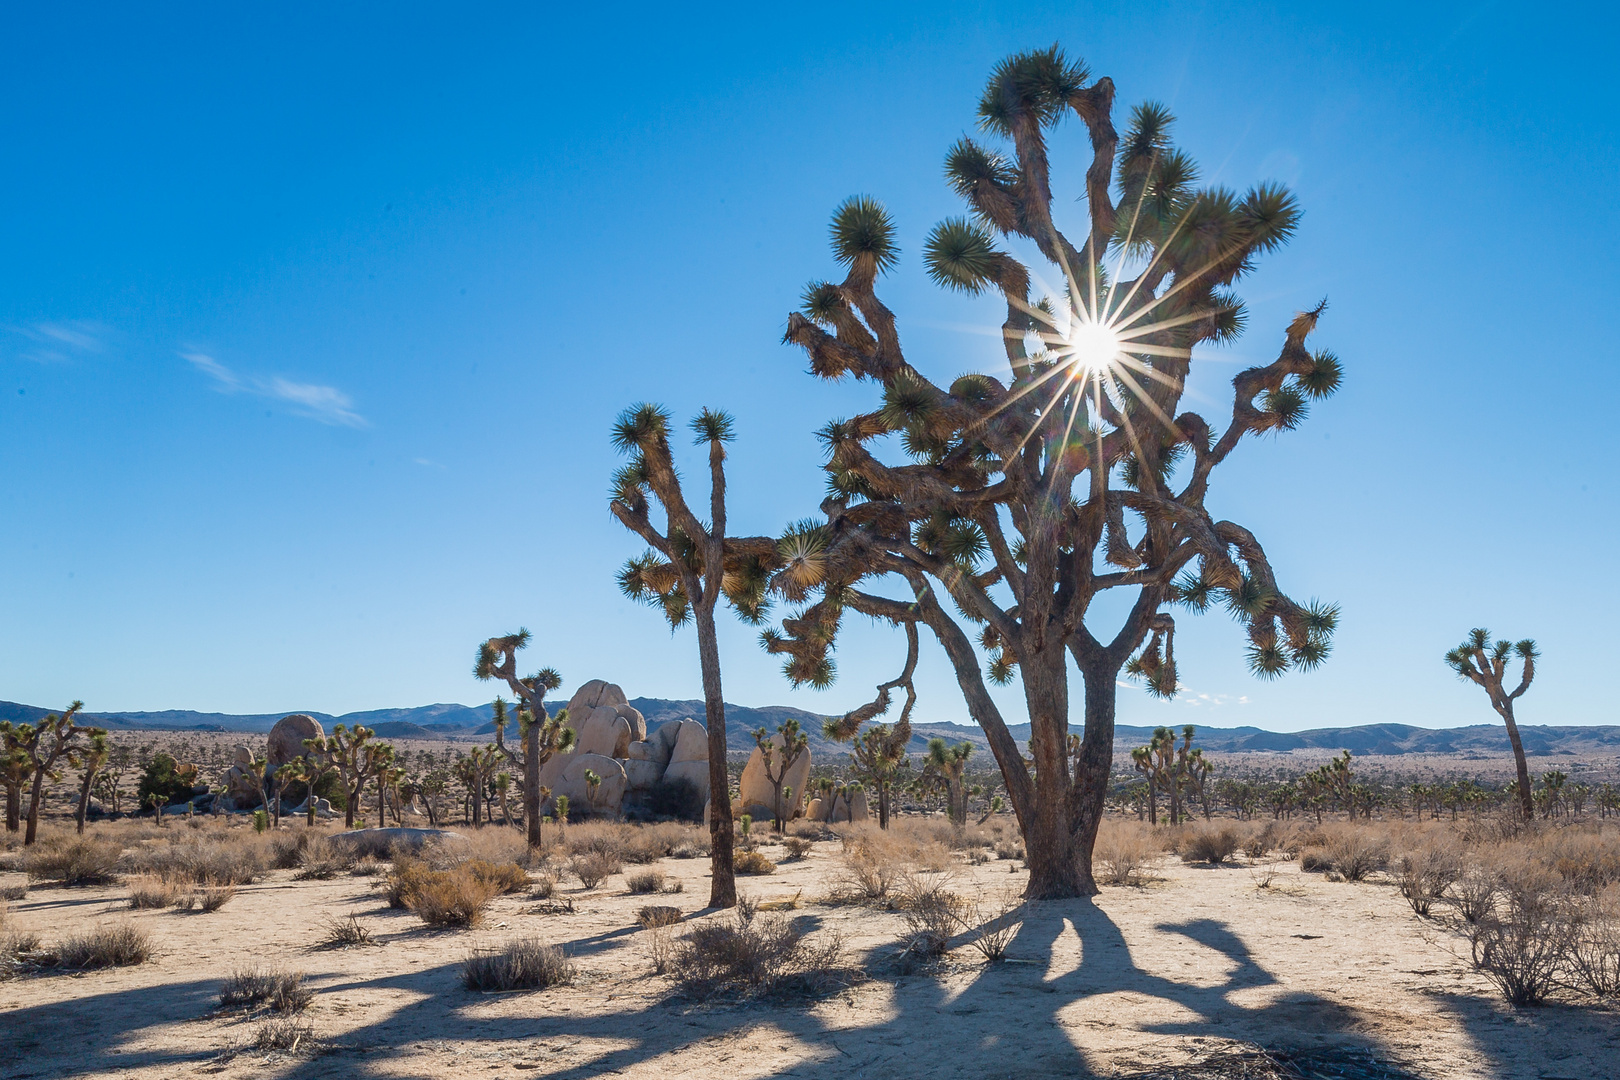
278, 991
1474, 893
544, 886
752, 862
1208, 843
1426, 873
342, 933
504, 877
1263, 841
284, 1033
931, 911
594, 868
645, 881
1122, 851
119, 945
762, 955
992, 923
213, 895
526, 964
1521, 946
658, 915
320, 860
79, 861
454, 897
797, 847
1357, 853
1008, 849
1594, 951
14, 892
1315, 860
154, 891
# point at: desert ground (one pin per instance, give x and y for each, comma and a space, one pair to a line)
1166, 973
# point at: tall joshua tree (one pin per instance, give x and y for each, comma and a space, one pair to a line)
689, 567
1067, 467
1483, 662
540, 734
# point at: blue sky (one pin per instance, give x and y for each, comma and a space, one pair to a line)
313, 324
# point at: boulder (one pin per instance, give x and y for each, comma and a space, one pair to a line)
609, 796
638, 723
661, 743
286, 740
840, 810
857, 806
605, 733
641, 775
242, 755
695, 773
691, 743
323, 809
640, 751
816, 811
594, 693
380, 843
756, 788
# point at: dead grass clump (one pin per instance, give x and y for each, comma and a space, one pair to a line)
752, 862
73, 861
320, 860
1588, 859
1008, 849
1357, 853
343, 933
1594, 950
992, 923
505, 877
805, 829
796, 847
118, 945
369, 866
609, 838
204, 856
544, 886
492, 844
213, 895
19, 891
454, 897
1122, 851
1425, 873
1208, 842
865, 877
1263, 841
284, 1033
656, 915
278, 991
931, 910
644, 881
155, 891
525, 964
594, 867
762, 955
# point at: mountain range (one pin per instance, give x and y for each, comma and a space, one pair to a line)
473, 723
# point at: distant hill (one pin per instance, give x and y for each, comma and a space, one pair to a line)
445, 721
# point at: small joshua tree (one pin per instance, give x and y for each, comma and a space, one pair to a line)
356, 757
287, 774
689, 567
1484, 663
945, 766
542, 735
1142, 761
91, 760
880, 752
778, 760
44, 747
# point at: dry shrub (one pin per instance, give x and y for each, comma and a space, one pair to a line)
454, 897
752, 955
656, 915
866, 876
644, 881
204, 856
797, 847
594, 867
931, 909
804, 829
118, 945
992, 923
1009, 849
1208, 842
342, 933
18, 891
492, 844
320, 859
155, 891
278, 991
544, 886
1594, 951
1122, 851
505, 877
284, 1033
524, 964
1474, 893
1425, 873
369, 866
649, 843
609, 838
1521, 946
1263, 841
1315, 860
1357, 853
752, 862
73, 861
213, 895
1588, 859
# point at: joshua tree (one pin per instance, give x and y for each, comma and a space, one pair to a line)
880, 753
14, 769
356, 758
294, 770
1198, 768
945, 766
1480, 661
1142, 761
91, 760
541, 734
55, 741
299, 770
1017, 508
386, 771
778, 760
689, 567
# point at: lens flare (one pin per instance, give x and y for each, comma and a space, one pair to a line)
1092, 346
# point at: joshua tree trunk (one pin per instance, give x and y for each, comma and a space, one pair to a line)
34, 797
84, 803
1480, 661
723, 881
13, 809
1527, 801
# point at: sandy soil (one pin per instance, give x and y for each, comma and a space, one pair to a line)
1161, 973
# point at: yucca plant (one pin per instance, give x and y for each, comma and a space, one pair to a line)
1072, 470
542, 735
944, 768
1484, 663
688, 567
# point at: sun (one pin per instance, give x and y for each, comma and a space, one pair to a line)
1092, 346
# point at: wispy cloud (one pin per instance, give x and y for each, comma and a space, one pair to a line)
1194, 699
59, 342
325, 404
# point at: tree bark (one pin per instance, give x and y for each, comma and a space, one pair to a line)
1527, 802
531, 773
33, 807
13, 808
723, 882
1055, 870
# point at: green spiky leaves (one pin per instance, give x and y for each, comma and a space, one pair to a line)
713, 426
641, 427
1030, 88
969, 165
863, 235
648, 579
960, 255
1324, 377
